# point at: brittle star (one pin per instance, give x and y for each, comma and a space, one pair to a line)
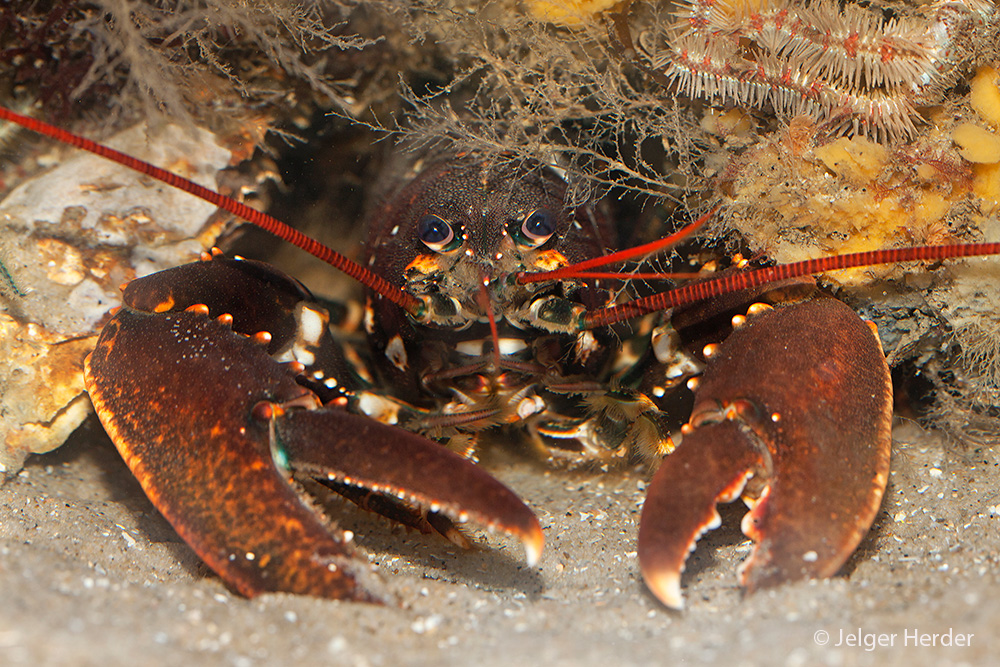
849, 66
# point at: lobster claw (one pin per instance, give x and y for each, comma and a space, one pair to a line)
212, 426
794, 414
337, 446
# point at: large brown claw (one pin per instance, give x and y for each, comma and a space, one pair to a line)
800, 398
202, 413
175, 392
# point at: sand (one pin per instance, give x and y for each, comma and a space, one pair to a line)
91, 574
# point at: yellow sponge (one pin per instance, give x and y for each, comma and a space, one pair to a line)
985, 97
977, 144
568, 12
858, 159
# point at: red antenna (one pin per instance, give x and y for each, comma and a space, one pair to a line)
745, 279
578, 270
408, 302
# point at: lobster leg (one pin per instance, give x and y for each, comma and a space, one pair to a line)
210, 424
799, 402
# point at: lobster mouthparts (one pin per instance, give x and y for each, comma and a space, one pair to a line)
214, 427
794, 413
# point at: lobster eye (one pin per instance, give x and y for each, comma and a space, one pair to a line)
538, 227
435, 233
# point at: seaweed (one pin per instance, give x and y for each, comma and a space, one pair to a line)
161, 57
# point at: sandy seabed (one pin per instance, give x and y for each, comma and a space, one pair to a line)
91, 574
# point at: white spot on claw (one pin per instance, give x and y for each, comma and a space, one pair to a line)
311, 325
369, 318
304, 356
378, 408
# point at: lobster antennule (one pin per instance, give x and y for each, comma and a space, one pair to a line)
662, 275
483, 296
266, 222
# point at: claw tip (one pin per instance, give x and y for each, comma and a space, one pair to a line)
534, 542
666, 586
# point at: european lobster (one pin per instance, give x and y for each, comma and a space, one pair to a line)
220, 382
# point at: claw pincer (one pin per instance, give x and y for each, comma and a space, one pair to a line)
214, 427
794, 414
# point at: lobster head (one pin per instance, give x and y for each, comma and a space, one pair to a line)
465, 221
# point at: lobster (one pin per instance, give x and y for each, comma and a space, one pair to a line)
220, 383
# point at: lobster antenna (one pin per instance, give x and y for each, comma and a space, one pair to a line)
577, 270
408, 302
611, 275
746, 279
